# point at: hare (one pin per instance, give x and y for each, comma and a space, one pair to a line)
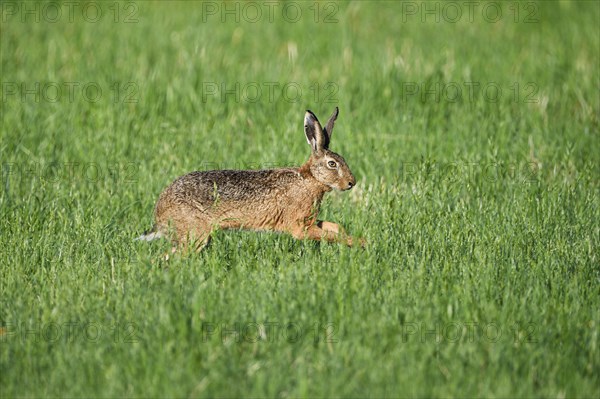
283, 200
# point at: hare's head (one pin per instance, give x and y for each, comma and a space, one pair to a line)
326, 166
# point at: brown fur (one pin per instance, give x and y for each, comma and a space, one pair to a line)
285, 200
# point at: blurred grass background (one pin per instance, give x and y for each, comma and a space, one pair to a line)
481, 208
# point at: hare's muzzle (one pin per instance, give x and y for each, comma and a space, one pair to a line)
351, 183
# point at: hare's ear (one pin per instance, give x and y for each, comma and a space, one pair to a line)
317, 139
329, 127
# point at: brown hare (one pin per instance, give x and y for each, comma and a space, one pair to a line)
283, 199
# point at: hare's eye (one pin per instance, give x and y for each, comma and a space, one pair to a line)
331, 164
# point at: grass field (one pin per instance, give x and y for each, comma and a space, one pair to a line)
475, 142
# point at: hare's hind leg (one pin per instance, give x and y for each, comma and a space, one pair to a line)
193, 235
190, 230
191, 242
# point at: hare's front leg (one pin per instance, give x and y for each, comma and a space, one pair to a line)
327, 231
330, 227
339, 231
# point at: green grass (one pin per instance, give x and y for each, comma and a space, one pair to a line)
481, 277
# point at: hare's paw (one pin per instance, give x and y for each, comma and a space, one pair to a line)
330, 227
356, 242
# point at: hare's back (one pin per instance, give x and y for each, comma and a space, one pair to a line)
232, 185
